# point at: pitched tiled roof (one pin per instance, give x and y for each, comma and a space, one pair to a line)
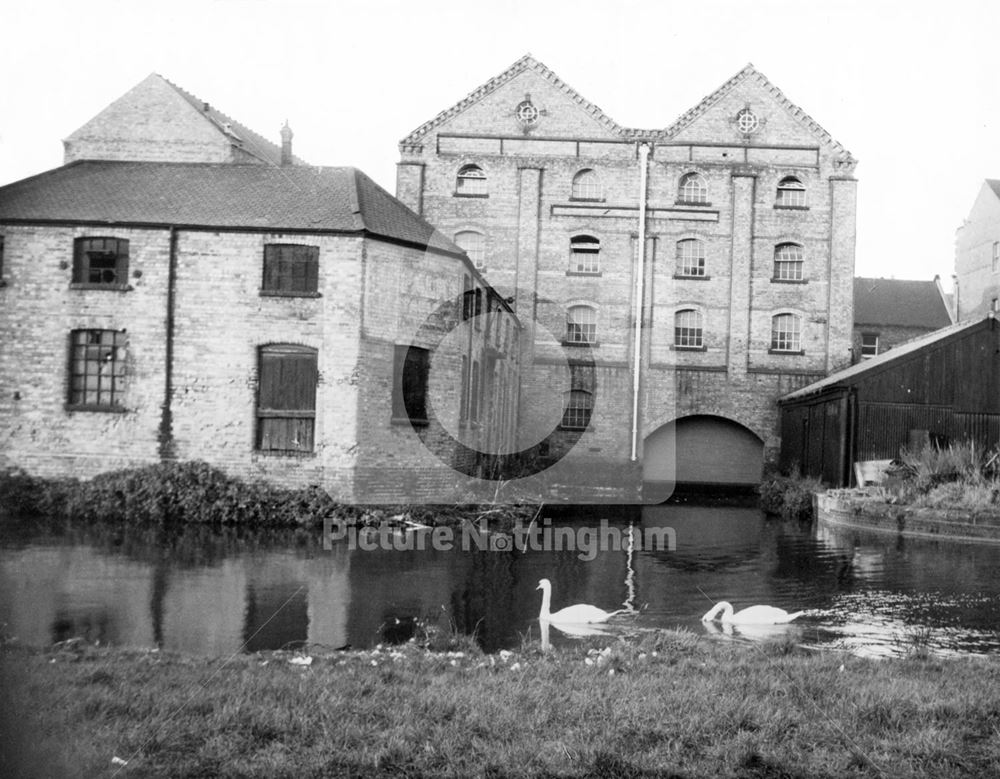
899, 303
223, 195
235, 132
878, 362
527, 62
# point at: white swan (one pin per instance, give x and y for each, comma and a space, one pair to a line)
754, 615
580, 614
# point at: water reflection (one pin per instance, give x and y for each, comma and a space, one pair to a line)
216, 593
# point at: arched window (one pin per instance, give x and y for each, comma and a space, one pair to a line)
584, 254
690, 257
581, 325
688, 329
791, 192
786, 333
788, 262
693, 189
471, 181
586, 185
577, 410
473, 244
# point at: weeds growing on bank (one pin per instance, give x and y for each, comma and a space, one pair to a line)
957, 476
195, 492
661, 704
789, 497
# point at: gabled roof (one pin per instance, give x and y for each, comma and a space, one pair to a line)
881, 361
527, 62
899, 303
218, 195
235, 132
747, 73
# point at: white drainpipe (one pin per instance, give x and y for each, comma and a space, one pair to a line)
639, 292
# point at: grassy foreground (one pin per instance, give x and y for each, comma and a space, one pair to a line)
664, 704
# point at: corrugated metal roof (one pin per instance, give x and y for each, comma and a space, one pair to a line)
875, 363
224, 195
899, 303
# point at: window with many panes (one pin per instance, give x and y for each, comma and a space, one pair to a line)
290, 269
584, 254
869, 345
581, 325
586, 185
473, 244
101, 262
786, 333
788, 262
286, 398
688, 333
97, 369
693, 189
409, 386
471, 181
791, 192
690, 257
579, 401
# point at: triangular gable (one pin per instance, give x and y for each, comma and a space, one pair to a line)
749, 73
524, 64
232, 130
156, 119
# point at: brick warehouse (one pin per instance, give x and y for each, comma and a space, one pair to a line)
733, 228
280, 321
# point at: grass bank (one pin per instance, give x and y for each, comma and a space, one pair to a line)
661, 704
197, 493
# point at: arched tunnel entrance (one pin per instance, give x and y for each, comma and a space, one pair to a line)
701, 452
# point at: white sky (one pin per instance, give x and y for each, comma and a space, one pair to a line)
910, 88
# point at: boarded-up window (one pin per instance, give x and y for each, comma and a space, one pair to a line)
97, 369
291, 269
409, 386
100, 261
286, 398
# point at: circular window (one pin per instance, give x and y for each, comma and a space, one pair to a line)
746, 121
526, 113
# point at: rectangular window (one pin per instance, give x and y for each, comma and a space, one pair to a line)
474, 397
291, 269
786, 333
286, 398
869, 345
409, 385
97, 369
101, 262
463, 404
579, 401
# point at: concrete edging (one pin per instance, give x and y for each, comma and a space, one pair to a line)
856, 509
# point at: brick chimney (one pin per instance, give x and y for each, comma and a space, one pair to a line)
286, 144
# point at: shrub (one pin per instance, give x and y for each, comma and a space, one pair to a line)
790, 497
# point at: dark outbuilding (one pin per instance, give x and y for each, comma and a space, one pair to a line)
944, 386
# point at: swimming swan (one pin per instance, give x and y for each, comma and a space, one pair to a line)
580, 614
754, 615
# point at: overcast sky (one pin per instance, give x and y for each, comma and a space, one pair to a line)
909, 88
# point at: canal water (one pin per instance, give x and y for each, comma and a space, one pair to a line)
214, 593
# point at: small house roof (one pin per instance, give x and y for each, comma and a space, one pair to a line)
220, 195
899, 303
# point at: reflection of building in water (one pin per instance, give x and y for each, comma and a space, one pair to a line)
204, 609
52, 594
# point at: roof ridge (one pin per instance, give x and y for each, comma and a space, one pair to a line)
526, 62
749, 71
247, 144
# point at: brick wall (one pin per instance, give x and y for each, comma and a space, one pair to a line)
978, 284
528, 217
